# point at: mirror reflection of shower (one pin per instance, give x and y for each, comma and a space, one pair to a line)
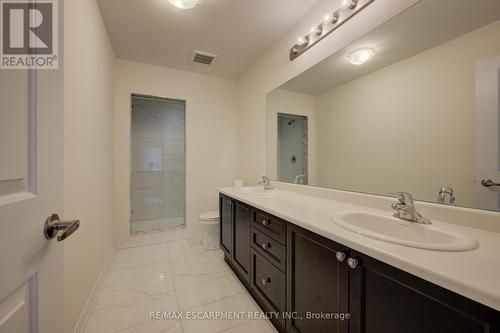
157, 188
292, 148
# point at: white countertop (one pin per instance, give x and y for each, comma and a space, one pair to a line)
474, 274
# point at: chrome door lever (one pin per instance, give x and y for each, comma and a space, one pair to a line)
53, 225
489, 183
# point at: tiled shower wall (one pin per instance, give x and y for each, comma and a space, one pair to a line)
158, 165
292, 148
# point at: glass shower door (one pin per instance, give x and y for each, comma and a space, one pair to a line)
158, 165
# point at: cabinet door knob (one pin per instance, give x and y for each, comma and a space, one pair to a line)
266, 246
340, 256
352, 263
266, 281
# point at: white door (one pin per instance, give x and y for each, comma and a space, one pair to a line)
31, 167
488, 134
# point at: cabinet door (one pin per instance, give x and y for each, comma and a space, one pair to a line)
242, 220
317, 283
386, 299
226, 225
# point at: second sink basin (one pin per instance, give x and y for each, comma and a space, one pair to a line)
385, 227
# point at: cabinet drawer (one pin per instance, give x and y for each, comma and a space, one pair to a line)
269, 282
270, 225
269, 248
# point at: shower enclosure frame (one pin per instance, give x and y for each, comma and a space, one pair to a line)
184, 199
278, 152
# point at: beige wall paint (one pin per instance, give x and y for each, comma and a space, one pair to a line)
282, 101
380, 132
274, 68
210, 126
88, 151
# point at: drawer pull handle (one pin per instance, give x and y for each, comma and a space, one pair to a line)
266, 222
340, 256
266, 281
266, 246
352, 263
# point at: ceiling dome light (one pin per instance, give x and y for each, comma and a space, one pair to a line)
185, 4
360, 56
348, 4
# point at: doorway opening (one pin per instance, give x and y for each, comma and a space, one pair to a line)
292, 149
158, 159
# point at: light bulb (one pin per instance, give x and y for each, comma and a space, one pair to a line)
184, 4
331, 18
317, 30
360, 56
301, 41
348, 4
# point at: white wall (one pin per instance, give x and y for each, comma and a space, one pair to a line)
377, 133
88, 151
282, 101
210, 126
274, 68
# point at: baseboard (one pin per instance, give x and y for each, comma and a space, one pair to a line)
160, 237
91, 301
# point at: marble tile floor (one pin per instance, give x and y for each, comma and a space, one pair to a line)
174, 277
153, 226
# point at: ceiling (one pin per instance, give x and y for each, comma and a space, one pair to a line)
238, 31
423, 26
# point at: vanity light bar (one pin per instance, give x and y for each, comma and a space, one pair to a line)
330, 23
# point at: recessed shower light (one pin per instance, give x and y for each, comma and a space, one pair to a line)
360, 56
185, 4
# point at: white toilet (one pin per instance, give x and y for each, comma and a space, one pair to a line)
211, 239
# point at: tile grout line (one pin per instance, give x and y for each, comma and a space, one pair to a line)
131, 301
173, 281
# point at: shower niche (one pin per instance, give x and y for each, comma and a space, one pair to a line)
157, 187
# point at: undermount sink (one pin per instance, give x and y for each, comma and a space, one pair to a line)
254, 190
383, 226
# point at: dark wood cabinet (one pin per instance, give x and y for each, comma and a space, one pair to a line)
318, 284
270, 225
269, 248
226, 224
386, 299
296, 276
241, 238
268, 283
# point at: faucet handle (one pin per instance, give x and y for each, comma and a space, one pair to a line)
403, 197
263, 179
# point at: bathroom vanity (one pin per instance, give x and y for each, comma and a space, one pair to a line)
319, 278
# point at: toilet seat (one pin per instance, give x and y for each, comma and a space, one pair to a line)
211, 239
209, 217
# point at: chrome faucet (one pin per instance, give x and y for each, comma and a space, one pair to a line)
405, 209
267, 183
446, 196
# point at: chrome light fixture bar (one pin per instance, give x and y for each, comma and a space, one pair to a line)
330, 23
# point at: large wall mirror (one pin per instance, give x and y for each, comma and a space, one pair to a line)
411, 106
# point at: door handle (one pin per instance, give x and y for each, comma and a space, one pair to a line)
489, 183
53, 225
